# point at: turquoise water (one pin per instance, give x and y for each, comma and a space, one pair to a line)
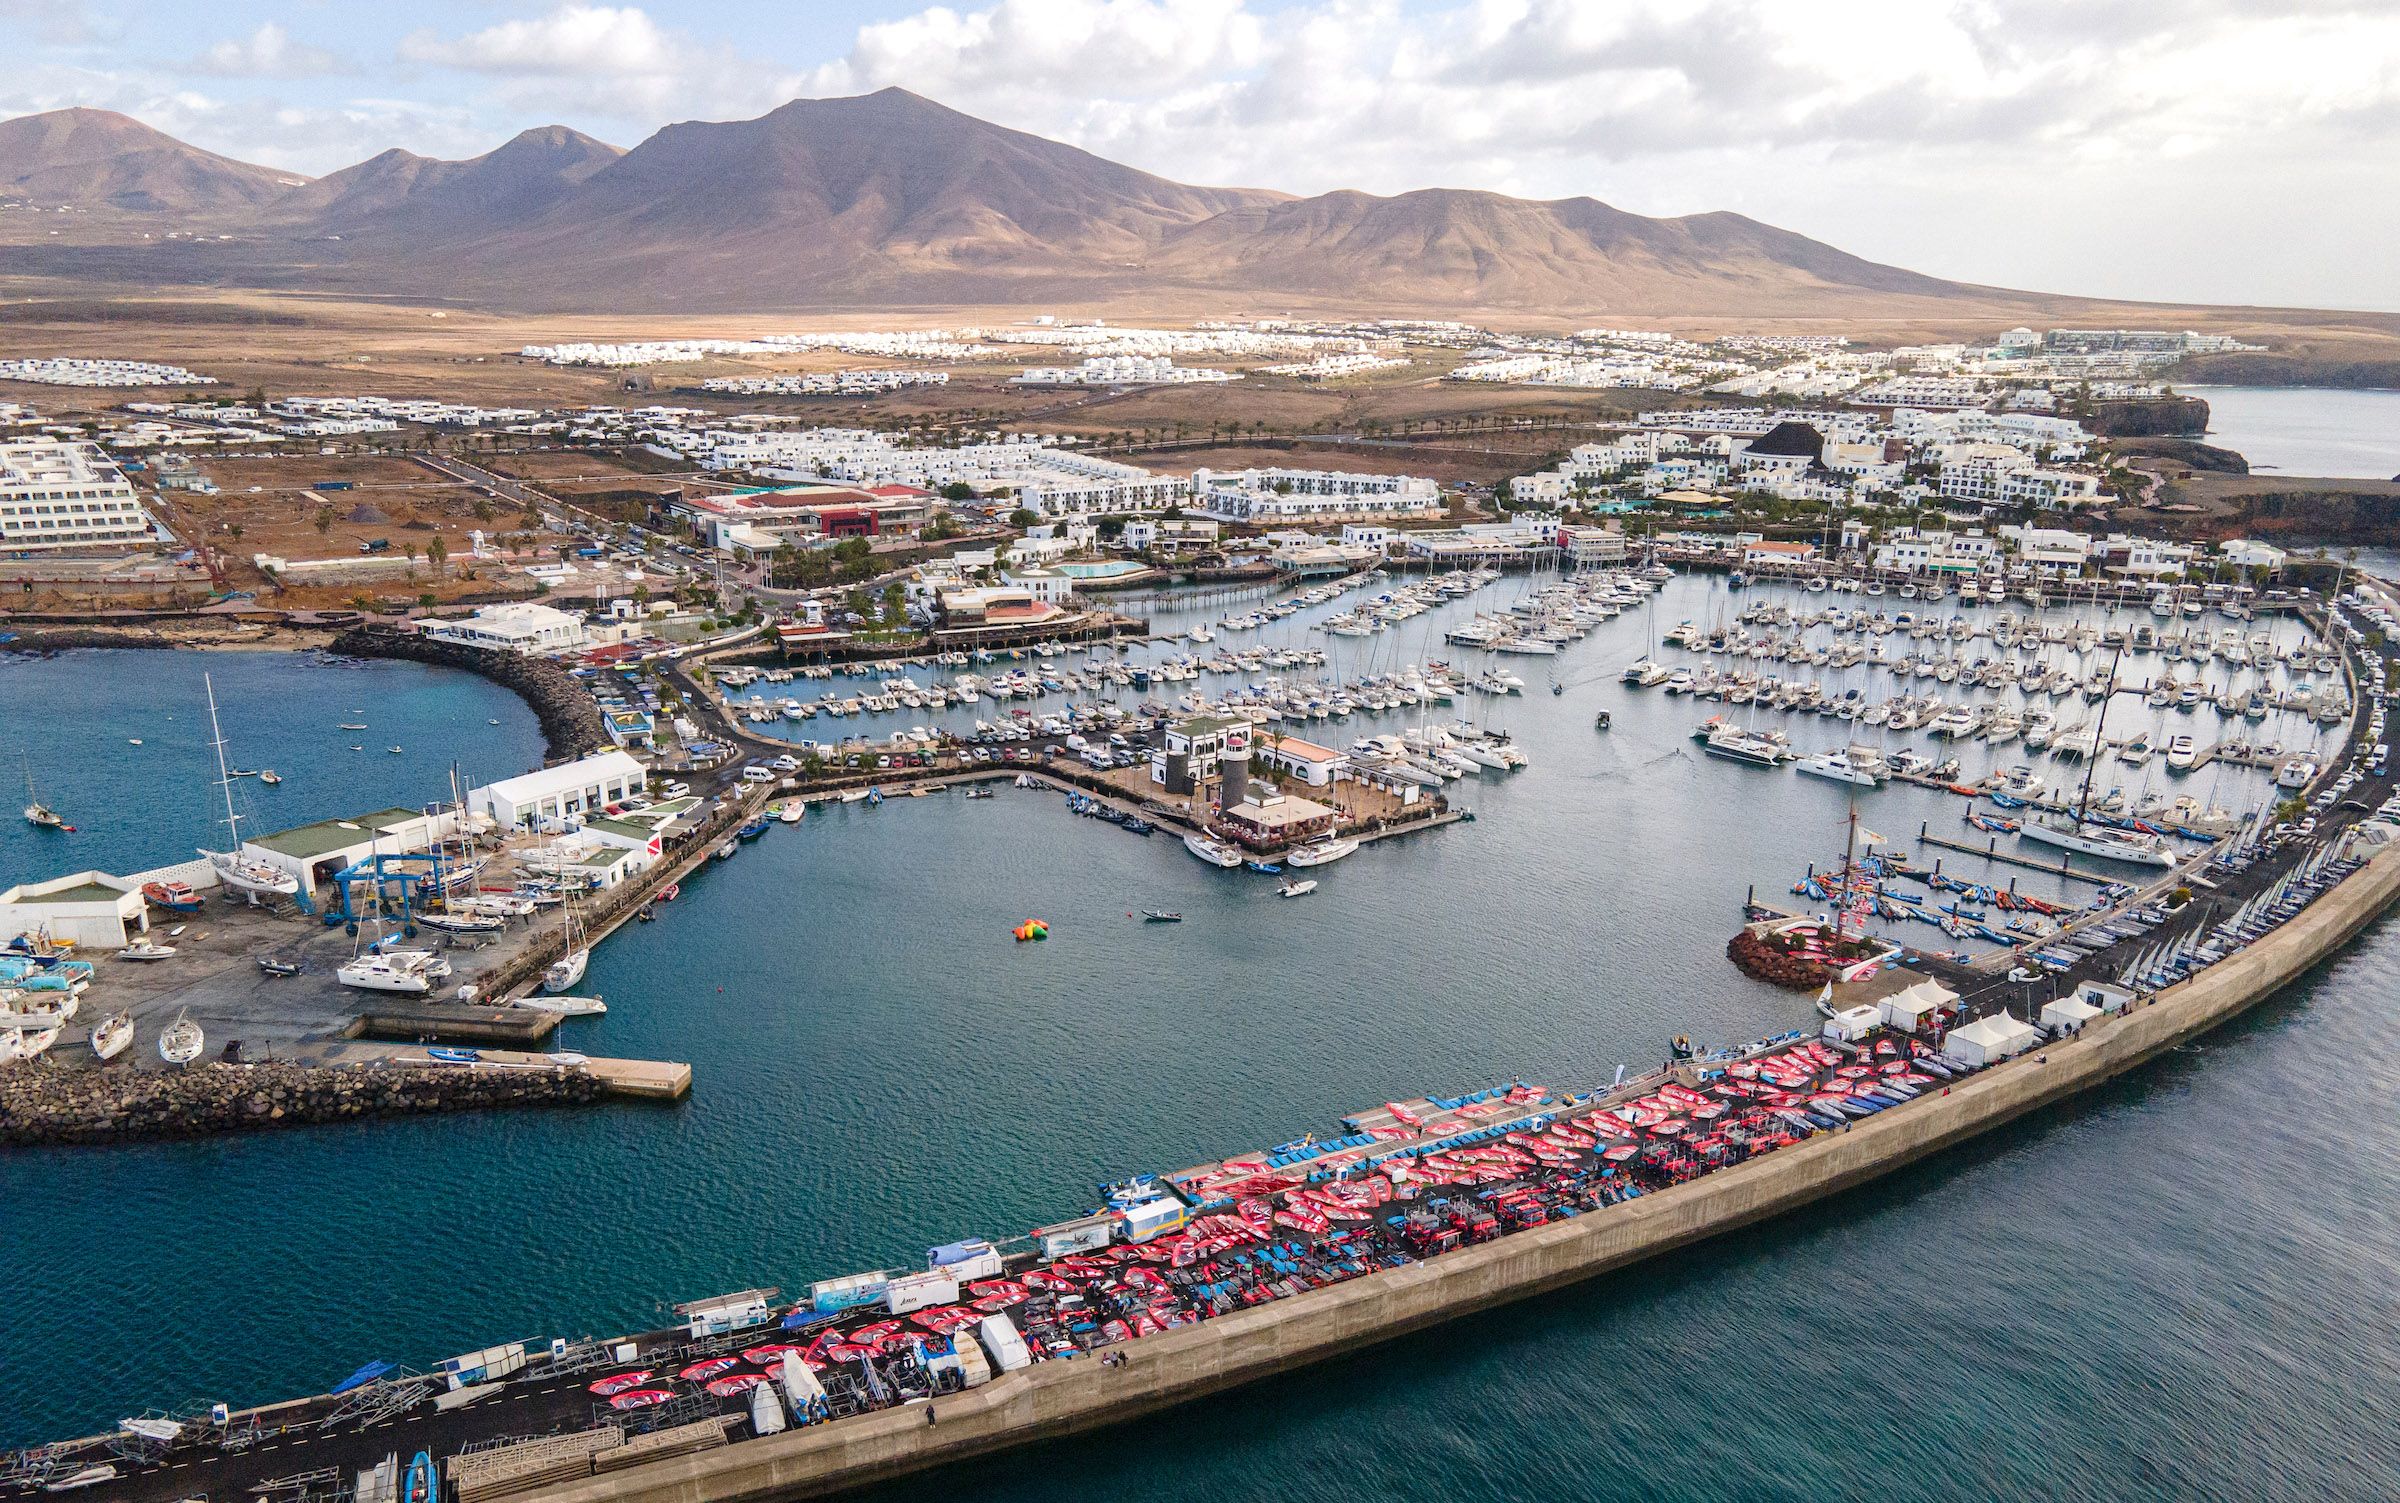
1110, 570
2178, 1288
2307, 431
69, 719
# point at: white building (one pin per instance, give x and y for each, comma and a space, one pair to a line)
1281, 495
2243, 553
563, 795
56, 494
2053, 550
1046, 585
520, 626
88, 909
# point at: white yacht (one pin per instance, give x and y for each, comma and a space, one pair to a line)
1319, 853
565, 1007
408, 971
1214, 852
568, 969
1836, 766
2182, 754
2099, 840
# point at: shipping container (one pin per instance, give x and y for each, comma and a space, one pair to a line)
486, 1366
1153, 1218
845, 1294
1083, 1234
1000, 1338
732, 1312
919, 1291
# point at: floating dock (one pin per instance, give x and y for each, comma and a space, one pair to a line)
642, 1079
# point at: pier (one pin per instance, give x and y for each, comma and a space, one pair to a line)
1992, 852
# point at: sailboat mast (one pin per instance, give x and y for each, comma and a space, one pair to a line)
1849, 849
233, 825
2091, 764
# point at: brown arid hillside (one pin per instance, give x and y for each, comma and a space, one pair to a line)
101, 160
888, 202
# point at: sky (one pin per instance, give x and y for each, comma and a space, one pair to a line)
2228, 151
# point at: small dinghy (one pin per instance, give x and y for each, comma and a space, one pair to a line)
1160, 916
1299, 889
145, 949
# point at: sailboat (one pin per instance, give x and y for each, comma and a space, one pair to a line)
38, 814
258, 878
181, 1042
568, 969
2074, 833
112, 1034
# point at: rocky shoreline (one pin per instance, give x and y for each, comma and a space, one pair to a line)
43, 1104
570, 718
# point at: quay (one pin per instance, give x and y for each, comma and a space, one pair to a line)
285, 1445
1992, 852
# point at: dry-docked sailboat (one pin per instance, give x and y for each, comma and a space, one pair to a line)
112, 1034
181, 1042
238, 872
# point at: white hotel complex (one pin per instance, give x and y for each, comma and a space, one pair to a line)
66, 495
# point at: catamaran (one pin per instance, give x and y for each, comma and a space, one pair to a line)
241, 873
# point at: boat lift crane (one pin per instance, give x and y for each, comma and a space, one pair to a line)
406, 876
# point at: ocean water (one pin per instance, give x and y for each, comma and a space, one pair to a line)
67, 721
2306, 430
2177, 1288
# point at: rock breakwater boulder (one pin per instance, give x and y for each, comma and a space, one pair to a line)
43, 1102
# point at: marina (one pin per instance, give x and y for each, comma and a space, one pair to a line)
1543, 734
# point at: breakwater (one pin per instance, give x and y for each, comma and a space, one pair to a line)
570, 718
47, 1104
1062, 1397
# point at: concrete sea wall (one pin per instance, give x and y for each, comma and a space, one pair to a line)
1059, 1398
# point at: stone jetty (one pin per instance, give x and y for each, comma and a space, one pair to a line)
42, 1103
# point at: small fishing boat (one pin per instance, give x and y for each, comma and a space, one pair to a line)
353, 725
146, 949
1265, 868
175, 897
443, 1054
275, 967
133, 740
1299, 889
793, 812
981, 793
112, 1034
1160, 916
1602, 721
753, 830
270, 777
725, 851
181, 1042
395, 751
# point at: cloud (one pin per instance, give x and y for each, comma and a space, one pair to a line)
268, 52
573, 41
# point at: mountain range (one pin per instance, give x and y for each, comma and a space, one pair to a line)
883, 200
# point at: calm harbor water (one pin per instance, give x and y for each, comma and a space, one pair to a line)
69, 720
2307, 431
2177, 1288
